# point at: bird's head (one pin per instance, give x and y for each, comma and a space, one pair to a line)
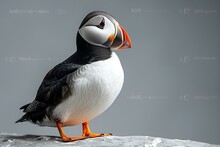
101, 29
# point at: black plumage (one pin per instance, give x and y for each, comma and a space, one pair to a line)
50, 92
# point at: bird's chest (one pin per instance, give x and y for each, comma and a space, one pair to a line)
97, 82
93, 88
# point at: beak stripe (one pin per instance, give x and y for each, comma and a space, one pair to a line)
118, 39
126, 40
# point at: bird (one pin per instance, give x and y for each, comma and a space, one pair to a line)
84, 85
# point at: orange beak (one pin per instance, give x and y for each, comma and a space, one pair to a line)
121, 40
126, 41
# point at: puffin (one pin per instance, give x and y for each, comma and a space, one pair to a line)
84, 85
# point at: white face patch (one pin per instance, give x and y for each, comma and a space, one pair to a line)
94, 34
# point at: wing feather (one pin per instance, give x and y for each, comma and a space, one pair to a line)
51, 91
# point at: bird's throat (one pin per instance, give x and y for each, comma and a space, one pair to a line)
91, 52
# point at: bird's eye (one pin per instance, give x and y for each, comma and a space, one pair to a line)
102, 24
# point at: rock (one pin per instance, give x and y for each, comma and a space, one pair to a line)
10, 140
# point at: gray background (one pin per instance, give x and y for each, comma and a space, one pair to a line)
172, 72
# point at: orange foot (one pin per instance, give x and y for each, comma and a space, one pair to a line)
66, 138
88, 133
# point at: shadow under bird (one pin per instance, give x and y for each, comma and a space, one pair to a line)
85, 84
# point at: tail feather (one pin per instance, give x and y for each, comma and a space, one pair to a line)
25, 106
23, 118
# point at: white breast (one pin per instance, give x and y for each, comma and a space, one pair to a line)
94, 88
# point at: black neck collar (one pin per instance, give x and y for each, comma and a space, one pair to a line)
88, 53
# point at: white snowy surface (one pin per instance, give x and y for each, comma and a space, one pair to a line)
13, 140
